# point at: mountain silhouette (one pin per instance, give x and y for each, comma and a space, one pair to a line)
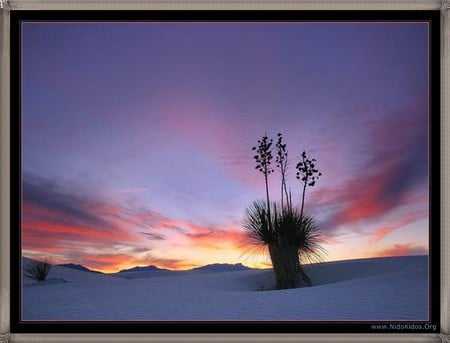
221, 267
77, 267
143, 269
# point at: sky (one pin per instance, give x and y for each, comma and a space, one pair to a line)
137, 137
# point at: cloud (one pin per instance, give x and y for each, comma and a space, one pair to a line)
401, 149
58, 220
48, 206
384, 231
75, 231
393, 166
142, 218
35, 239
153, 236
401, 250
213, 237
134, 190
112, 262
116, 262
108, 236
52, 197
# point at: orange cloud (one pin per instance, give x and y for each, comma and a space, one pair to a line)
50, 233
361, 203
80, 232
207, 237
393, 173
382, 232
111, 263
401, 250
364, 209
45, 231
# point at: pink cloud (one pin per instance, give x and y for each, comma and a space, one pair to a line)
384, 231
394, 172
47, 231
401, 250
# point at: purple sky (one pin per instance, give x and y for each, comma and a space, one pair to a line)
137, 137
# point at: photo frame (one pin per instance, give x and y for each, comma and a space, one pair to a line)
183, 334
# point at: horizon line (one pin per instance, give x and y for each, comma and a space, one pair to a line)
220, 263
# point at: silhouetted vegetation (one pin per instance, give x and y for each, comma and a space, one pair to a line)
263, 160
307, 174
281, 159
291, 237
37, 270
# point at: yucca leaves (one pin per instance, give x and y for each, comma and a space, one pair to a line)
291, 238
38, 270
309, 241
258, 223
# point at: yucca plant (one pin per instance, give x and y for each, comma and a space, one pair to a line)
38, 270
291, 237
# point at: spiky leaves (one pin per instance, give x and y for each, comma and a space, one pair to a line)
290, 238
309, 241
38, 270
300, 233
257, 223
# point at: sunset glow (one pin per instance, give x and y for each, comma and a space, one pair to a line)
137, 138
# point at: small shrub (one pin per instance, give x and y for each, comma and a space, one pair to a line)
38, 270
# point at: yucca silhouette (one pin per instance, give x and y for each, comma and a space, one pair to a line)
291, 239
291, 236
38, 270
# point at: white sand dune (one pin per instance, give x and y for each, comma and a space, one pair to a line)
393, 288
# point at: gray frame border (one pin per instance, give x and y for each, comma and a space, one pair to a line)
17, 5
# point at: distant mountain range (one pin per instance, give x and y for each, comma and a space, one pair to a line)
215, 267
222, 267
78, 267
143, 269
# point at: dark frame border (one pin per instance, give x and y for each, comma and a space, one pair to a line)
18, 326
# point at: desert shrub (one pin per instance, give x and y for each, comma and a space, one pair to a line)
38, 270
291, 237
